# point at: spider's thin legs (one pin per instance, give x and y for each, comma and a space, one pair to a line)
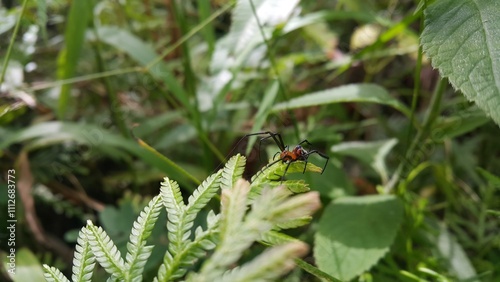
321, 155
286, 169
276, 137
277, 153
305, 166
266, 167
305, 141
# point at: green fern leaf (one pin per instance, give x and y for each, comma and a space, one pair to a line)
180, 234
296, 207
269, 265
176, 212
53, 274
203, 194
172, 198
233, 207
294, 222
271, 176
233, 170
84, 260
238, 232
138, 253
234, 237
176, 267
276, 238
105, 251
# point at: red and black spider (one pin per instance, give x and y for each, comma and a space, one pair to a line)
298, 153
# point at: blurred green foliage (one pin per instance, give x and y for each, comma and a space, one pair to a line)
100, 100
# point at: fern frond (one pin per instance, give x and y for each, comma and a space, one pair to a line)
176, 267
105, 251
295, 207
176, 212
138, 252
294, 222
203, 194
232, 171
53, 274
172, 199
297, 186
269, 265
83, 260
276, 238
233, 207
180, 232
270, 176
235, 238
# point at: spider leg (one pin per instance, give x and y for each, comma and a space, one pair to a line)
305, 141
276, 137
305, 166
266, 167
260, 143
277, 153
286, 169
321, 155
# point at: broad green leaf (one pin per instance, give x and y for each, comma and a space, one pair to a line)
367, 93
370, 153
461, 38
355, 232
78, 18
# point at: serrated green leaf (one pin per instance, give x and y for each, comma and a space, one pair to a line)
355, 232
365, 93
461, 40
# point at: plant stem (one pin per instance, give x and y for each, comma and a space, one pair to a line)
431, 115
11, 43
315, 271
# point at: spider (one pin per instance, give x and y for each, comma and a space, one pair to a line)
298, 153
